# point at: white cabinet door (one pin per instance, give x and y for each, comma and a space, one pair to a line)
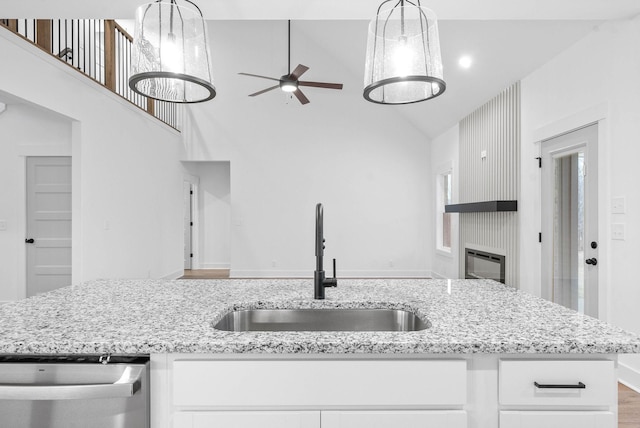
552, 419
395, 419
246, 420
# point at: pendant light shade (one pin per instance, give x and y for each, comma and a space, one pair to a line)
170, 58
403, 55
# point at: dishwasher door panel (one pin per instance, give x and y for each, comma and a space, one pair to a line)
94, 413
72, 395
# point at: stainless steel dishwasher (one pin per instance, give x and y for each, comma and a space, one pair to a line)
74, 392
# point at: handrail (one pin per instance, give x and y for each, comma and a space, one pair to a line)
100, 49
123, 31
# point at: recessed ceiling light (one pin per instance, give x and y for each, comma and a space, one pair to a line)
465, 61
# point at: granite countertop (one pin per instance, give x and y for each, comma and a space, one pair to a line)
150, 316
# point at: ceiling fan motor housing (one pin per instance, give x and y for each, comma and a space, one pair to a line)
287, 84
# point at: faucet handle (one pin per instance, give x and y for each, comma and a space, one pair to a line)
332, 282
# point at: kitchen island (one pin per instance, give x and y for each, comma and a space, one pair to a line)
465, 370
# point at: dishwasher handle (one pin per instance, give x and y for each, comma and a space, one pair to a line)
128, 384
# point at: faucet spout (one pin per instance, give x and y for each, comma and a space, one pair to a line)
319, 279
319, 236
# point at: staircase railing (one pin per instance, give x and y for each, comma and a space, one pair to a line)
100, 49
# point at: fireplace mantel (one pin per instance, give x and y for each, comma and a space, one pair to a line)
482, 207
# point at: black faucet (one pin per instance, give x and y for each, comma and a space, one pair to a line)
319, 281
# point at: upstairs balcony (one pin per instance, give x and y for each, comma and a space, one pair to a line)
99, 49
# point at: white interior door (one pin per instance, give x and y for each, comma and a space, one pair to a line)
48, 238
570, 220
188, 225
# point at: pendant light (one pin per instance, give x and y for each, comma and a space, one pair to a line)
403, 55
170, 58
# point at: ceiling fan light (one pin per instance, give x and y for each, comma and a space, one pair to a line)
288, 86
170, 58
403, 63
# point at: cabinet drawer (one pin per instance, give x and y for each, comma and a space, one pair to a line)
397, 419
555, 379
316, 384
549, 419
246, 420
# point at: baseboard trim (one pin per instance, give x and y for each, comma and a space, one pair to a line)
235, 273
174, 275
628, 376
214, 266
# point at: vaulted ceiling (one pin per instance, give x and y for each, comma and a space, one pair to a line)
507, 40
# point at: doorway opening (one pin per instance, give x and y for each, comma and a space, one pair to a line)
187, 192
207, 219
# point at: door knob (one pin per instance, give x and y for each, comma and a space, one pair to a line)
29, 241
592, 261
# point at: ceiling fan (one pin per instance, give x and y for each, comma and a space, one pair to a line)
290, 82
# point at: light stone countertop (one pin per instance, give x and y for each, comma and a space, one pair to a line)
150, 316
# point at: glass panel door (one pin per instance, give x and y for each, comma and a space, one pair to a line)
570, 220
568, 231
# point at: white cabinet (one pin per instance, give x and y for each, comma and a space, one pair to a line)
556, 419
548, 393
289, 419
395, 419
395, 391
316, 393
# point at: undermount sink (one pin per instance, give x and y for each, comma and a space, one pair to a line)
321, 320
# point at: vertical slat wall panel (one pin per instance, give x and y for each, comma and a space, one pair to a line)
494, 128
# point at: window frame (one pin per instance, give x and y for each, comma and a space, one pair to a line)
442, 172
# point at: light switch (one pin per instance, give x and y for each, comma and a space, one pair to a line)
618, 205
3, 224
483, 154
617, 231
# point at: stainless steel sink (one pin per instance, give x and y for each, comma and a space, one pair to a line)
321, 320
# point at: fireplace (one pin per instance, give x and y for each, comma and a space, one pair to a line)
483, 265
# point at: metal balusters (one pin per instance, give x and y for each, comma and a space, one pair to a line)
82, 45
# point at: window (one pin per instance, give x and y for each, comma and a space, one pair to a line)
444, 197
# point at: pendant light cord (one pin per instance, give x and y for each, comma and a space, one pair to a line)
402, 32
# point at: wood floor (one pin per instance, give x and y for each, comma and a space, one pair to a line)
205, 274
628, 407
628, 399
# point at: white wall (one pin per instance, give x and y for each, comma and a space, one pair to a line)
212, 249
25, 131
444, 153
597, 78
127, 180
364, 162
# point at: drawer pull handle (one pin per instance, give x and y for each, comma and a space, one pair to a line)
580, 385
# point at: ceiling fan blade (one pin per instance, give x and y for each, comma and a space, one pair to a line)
262, 77
303, 100
264, 90
298, 71
321, 85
